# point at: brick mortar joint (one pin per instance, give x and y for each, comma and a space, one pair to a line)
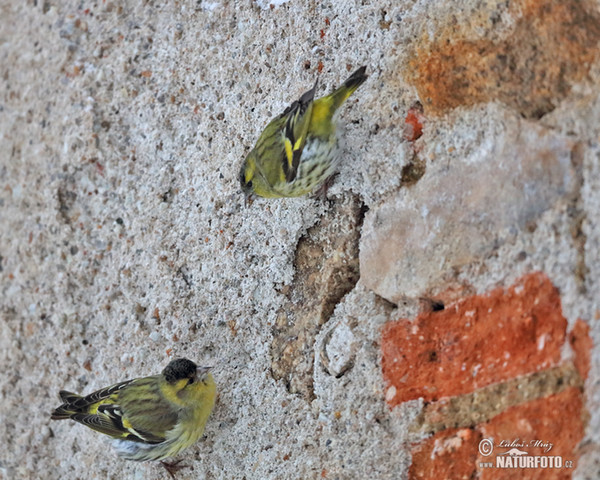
468, 410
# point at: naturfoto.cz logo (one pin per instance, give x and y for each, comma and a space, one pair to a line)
514, 455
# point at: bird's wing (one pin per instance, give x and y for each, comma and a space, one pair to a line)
74, 403
298, 116
146, 411
109, 420
97, 397
102, 411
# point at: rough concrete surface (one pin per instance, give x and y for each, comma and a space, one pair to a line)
125, 242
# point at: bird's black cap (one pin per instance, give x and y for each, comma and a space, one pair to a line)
178, 369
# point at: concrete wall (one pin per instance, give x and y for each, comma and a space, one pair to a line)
445, 293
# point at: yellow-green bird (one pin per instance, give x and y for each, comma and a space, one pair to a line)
298, 151
149, 418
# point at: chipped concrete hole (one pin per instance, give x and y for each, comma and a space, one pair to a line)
327, 268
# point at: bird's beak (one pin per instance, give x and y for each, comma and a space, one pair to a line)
202, 371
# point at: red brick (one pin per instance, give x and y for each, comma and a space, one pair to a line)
449, 454
581, 343
454, 453
557, 419
414, 123
480, 340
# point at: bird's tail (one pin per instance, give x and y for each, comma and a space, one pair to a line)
348, 87
68, 408
325, 107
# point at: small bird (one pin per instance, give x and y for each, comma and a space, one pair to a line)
149, 418
298, 151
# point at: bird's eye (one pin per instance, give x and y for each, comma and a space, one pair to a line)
249, 184
190, 381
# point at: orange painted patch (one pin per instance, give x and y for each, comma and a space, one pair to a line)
480, 340
448, 454
557, 420
580, 341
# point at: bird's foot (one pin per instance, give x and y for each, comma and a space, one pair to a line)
173, 467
